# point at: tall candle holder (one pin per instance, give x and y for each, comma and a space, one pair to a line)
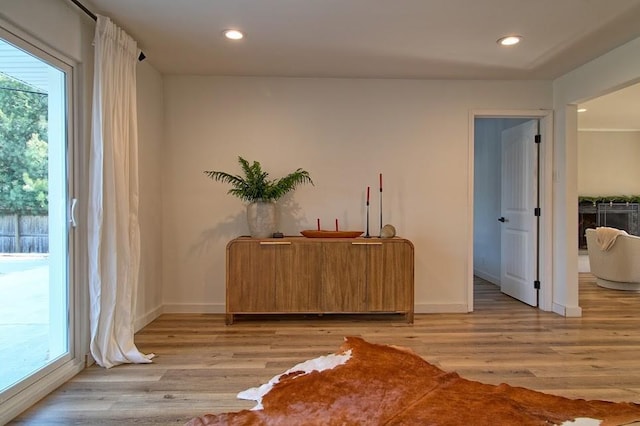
367, 234
380, 235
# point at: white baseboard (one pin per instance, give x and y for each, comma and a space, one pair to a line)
453, 308
565, 311
194, 308
144, 320
487, 277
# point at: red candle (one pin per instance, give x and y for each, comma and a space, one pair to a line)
318, 224
380, 182
368, 194
336, 225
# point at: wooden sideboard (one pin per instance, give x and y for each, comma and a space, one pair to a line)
298, 275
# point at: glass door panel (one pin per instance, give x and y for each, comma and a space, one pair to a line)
34, 226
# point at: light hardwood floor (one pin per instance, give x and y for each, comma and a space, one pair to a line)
201, 364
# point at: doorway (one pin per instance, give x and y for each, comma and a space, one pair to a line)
608, 181
486, 259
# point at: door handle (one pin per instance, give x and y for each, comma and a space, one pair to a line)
72, 213
502, 219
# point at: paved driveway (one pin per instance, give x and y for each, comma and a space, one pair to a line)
24, 316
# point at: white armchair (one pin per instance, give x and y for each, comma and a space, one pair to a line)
617, 267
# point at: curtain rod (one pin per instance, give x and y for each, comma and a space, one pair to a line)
95, 18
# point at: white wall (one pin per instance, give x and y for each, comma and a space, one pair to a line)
608, 163
43, 19
611, 71
487, 199
150, 152
344, 132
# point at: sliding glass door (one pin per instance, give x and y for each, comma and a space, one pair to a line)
35, 250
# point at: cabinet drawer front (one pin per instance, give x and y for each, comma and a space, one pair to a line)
344, 275
390, 279
251, 275
298, 280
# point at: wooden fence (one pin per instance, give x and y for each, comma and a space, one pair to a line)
24, 234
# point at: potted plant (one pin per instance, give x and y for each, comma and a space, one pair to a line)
255, 187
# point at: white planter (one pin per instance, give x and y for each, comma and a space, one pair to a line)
261, 218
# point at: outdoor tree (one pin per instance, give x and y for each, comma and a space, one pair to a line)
23, 148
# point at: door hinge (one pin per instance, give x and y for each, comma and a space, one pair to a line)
538, 139
536, 284
537, 211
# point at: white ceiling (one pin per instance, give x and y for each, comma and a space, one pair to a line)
374, 38
427, 39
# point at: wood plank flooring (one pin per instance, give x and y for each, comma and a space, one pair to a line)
201, 364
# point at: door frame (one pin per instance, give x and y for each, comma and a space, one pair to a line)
546, 200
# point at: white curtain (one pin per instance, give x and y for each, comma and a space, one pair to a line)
114, 234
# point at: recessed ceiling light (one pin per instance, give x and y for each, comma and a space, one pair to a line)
582, 109
509, 40
233, 34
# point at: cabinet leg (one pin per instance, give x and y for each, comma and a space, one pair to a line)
228, 319
409, 317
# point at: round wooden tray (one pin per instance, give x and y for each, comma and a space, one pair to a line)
311, 233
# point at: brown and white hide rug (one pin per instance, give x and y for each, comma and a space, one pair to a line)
370, 384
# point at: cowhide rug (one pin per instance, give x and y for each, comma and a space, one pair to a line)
370, 384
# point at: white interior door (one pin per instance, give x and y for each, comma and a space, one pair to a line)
518, 232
